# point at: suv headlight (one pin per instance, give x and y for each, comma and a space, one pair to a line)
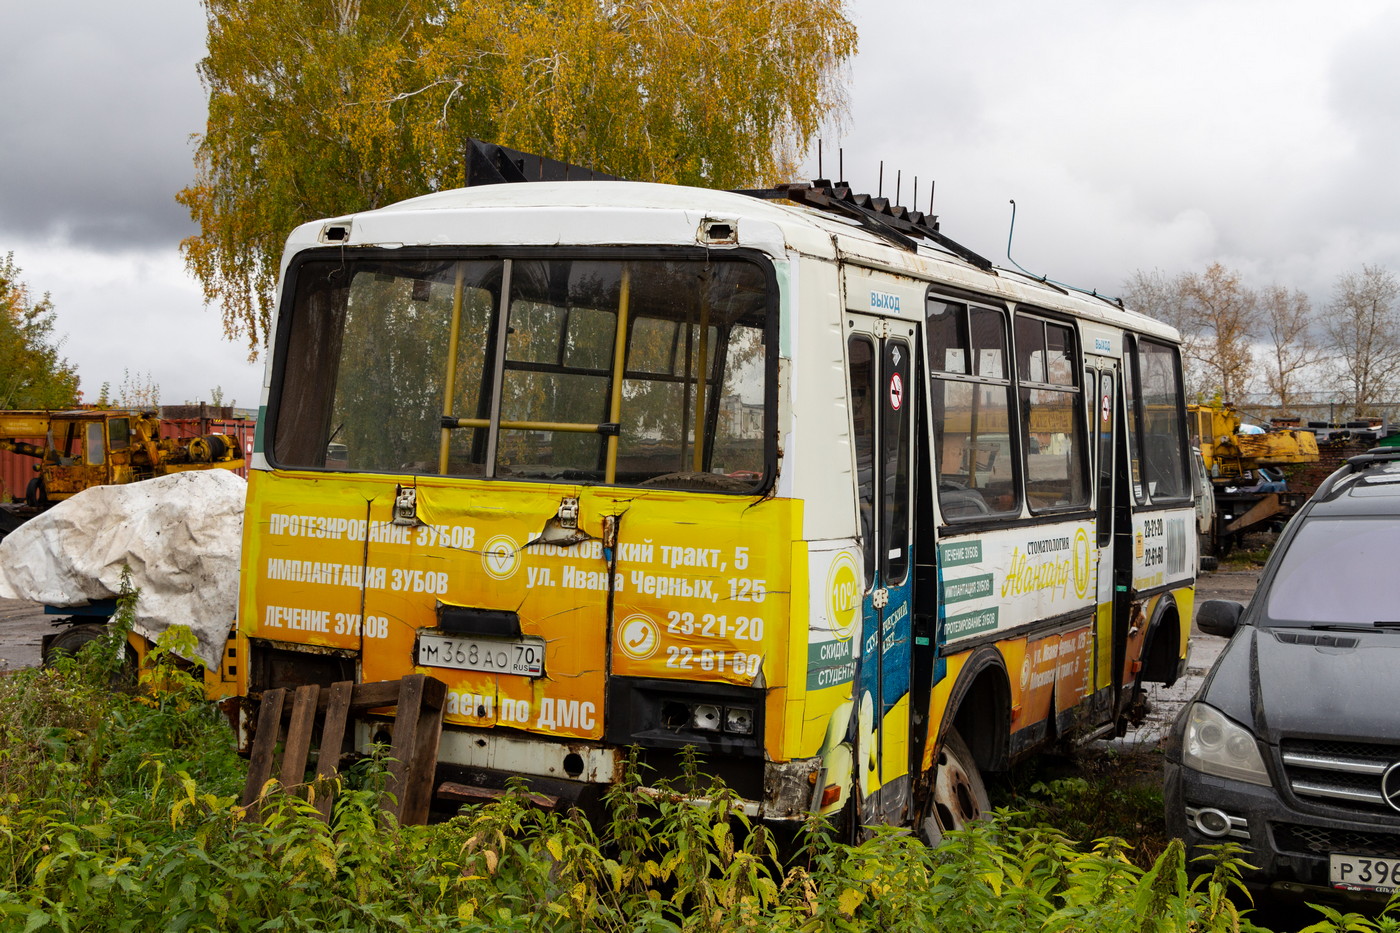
1216, 744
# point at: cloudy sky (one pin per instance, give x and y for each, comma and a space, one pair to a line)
1151, 135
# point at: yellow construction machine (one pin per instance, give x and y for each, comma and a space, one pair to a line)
1242, 462
74, 450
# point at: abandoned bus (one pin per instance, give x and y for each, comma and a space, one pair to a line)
799, 482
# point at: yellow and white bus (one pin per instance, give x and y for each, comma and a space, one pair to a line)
798, 482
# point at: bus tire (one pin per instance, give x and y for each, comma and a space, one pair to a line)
958, 796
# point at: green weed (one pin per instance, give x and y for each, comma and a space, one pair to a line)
1093, 794
118, 812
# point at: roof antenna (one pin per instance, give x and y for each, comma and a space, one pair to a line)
931, 185
841, 164
916, 192
1041, 278
819, 158
880, 190
1009, 234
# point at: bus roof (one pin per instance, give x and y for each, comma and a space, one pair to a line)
622, 213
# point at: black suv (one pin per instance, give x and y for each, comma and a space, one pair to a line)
1292, 746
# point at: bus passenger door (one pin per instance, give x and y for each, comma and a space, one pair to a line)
1113, 536
881, 369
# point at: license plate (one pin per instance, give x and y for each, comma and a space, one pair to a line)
1364, 873
493, 655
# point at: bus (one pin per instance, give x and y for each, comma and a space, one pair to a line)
787, 477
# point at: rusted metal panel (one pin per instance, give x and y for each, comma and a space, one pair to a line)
16, 470
24, 423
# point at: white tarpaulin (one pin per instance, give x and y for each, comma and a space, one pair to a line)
180, 534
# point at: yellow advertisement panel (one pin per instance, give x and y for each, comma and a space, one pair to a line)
704, 590
522, 598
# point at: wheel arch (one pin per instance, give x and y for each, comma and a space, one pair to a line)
979, 707
1162, 662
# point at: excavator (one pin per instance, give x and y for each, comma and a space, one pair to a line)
74, 450
1243, 466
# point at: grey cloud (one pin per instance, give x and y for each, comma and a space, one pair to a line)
1364, 88
102, 99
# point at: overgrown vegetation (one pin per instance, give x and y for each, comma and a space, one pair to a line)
1093, 794
1250, 557
118, 811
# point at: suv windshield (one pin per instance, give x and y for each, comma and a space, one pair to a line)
1334, 571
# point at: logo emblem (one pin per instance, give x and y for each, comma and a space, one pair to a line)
638, 637
843, 596
1081, 562
501, 557
1390, 786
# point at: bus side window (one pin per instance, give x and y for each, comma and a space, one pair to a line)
1104, 420
1052, 413
1163, 440
971, 400
1130, 403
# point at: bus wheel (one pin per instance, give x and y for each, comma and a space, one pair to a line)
959, 797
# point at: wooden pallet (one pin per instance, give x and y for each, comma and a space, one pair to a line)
417, 731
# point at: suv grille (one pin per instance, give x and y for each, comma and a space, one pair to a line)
1340, 774
1318, 840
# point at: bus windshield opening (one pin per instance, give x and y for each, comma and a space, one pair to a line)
650, 372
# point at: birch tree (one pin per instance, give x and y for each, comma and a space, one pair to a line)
33, 373
1291, 351
1218, 319
322, 107
1363, 332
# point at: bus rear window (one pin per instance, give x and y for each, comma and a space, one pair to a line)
640, 372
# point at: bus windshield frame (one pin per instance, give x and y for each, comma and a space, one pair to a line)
547, 387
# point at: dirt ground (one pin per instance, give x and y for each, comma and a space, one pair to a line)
22, 626
1165, 702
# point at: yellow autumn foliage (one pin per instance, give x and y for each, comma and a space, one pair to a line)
321, 107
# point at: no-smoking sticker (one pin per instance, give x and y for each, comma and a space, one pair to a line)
896, 391
1106, 408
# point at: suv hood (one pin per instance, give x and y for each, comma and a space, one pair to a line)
1305, 682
